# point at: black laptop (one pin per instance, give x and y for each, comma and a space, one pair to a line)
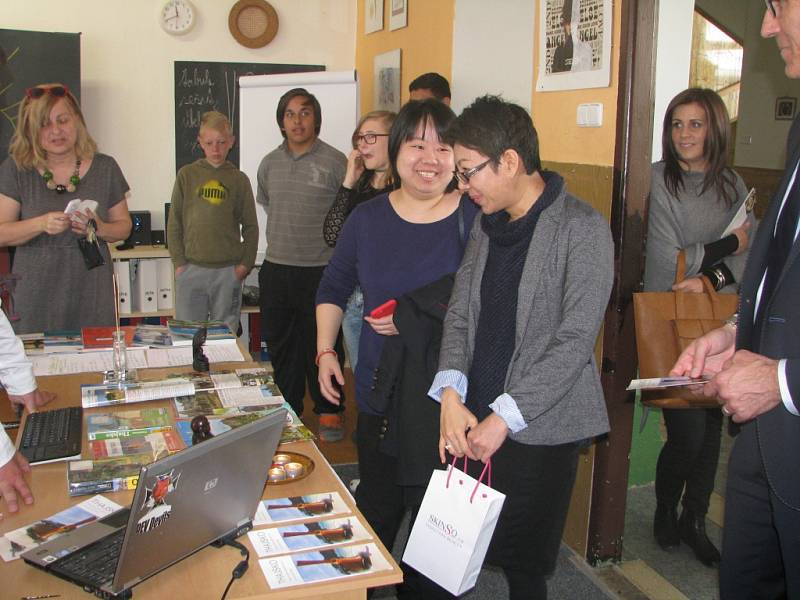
182, 503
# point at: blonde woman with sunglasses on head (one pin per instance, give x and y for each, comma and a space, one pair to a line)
53, 160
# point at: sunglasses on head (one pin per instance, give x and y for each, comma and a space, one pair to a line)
59, 91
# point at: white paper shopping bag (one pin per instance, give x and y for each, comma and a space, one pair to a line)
453, 529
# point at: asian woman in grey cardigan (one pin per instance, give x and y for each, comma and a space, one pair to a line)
694, 195
517, 379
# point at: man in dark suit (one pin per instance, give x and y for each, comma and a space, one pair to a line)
755, 369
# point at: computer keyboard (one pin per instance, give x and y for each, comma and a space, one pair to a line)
95, 564
52, 434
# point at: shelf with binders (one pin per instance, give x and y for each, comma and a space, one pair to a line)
146, 281
164, 286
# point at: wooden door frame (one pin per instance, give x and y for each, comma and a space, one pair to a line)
632, 159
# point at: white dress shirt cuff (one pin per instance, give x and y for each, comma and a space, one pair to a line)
7, 449
506, 408
786, 396
450, 378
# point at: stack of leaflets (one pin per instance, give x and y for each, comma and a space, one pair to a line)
312, 538
104, 426
217, 332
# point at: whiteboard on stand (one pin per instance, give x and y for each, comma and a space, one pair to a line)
337, 92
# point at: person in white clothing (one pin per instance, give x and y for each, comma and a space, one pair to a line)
16, 375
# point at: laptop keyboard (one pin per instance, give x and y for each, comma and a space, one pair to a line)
95, 564
52, 434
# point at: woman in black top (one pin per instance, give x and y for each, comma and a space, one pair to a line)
367, 175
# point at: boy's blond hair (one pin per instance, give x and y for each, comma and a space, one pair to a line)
217, 121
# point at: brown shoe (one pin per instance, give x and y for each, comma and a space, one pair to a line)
331, 427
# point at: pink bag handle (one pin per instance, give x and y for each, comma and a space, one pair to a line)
487, 470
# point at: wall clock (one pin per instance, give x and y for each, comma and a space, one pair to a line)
253, 23
177, 16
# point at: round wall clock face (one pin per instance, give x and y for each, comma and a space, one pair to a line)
177, 16
254, 23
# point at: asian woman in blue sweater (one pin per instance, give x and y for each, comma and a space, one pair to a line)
391, 245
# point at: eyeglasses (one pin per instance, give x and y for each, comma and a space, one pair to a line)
59, 91
465, 176
773, 5
368, 138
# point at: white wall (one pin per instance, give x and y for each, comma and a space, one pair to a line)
760, 138
493, 51
673, 52
127, 68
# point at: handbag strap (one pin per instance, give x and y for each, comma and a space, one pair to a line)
487, 471
708, 290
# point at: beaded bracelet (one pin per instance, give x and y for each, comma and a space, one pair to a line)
322, 353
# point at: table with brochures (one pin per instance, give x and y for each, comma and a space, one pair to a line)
204, 574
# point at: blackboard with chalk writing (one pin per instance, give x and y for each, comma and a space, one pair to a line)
28, 58
204, 86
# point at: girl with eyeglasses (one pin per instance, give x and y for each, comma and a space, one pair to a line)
368, 175
53, 160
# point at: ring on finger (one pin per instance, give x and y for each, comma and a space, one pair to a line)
726, 411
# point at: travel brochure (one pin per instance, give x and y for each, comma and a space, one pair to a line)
155, 445
325, 565
183, 332
14, 543
103, 426
308, 536
300, 508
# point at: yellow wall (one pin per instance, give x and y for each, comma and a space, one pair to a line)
554, 114
426, 45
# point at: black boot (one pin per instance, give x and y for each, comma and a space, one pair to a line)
693, 531
665, 527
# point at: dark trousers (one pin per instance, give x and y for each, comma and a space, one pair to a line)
384, 503
689, 458
289, 328
761, 537
537, 482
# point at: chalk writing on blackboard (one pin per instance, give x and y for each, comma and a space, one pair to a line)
204, 86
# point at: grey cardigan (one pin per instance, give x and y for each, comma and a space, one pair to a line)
565, 285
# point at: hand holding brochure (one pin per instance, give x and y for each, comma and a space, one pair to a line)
658, 383
741, 215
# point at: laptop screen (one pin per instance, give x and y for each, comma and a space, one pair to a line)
192, 498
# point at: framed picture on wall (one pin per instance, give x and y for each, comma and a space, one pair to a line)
398, 15
373, 16
386, 69
785, 108
575, 44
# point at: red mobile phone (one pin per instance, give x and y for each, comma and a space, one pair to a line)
384, 310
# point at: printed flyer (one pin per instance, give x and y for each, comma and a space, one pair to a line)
308, 536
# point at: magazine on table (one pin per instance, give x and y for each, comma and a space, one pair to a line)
103, 426
105, 475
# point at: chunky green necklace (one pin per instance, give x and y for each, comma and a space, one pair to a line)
71, 186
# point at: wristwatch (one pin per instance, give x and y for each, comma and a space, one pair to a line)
733, 320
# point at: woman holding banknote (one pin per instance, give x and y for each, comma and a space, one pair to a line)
694, 197
53, 160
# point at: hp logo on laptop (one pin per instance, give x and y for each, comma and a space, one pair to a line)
210, 484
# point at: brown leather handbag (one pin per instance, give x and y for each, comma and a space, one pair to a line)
666, 323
